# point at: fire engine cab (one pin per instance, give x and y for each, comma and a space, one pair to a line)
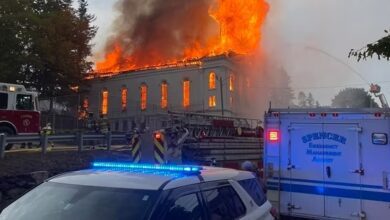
18, 110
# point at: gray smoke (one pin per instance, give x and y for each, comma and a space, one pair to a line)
159, 30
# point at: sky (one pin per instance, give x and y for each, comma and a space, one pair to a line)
311, 39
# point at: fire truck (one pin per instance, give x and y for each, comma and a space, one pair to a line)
197, 138
328, 163
18, 110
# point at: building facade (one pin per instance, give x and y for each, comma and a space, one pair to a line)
211, 85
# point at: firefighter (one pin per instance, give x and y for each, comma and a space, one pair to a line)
48, 130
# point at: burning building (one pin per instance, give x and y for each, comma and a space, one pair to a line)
212, 85
176, 56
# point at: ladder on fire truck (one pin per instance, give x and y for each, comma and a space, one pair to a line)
209, 125
226, 140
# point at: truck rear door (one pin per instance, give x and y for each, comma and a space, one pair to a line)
306, 171
324, 170
342, 170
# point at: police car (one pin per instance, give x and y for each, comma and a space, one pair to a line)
113, 190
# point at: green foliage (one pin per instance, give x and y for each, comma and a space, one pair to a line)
353, 98
14, 20
380, 48
45, 44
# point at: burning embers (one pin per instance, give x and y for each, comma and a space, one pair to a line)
155, 33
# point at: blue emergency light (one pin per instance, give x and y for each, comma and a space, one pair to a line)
147, 167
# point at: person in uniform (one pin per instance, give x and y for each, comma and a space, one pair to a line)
48, 130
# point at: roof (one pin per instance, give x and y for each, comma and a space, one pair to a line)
337, 110
194, 64
147, 181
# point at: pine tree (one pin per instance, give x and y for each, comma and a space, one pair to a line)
45, 44
310, 100
302, 100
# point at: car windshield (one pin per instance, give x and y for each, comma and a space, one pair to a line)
54, 201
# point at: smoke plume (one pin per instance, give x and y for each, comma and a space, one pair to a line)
159, 30
155, 32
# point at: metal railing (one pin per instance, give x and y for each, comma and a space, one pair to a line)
44, 140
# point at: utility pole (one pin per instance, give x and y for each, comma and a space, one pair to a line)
220, 85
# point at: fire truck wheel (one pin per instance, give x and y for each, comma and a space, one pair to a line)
8, 131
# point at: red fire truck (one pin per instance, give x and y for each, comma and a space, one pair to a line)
18, 110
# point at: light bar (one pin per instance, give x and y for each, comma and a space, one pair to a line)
155, 167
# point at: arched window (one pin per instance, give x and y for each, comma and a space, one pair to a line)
186, 93
231, 82
212, 79
104, 104
164, 95
143, 96
124, 98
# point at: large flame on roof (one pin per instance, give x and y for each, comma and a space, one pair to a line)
172, 31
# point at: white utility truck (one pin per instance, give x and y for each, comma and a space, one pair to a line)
328, 163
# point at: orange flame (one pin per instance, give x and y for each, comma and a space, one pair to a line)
240, 23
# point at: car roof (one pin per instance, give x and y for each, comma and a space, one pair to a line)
147, 180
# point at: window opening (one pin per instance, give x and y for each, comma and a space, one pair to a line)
24, 102
186, 93
231, 82
124, 98
144, 96
3, 100
212, 101
212, 80
104, 102
164, 95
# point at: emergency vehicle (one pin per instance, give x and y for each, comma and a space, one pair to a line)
18, 110
195, 138
328, 163
121, 190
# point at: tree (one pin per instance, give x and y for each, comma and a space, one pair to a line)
282, 95
381, 48
86, 33
15, 18
353, 98
310, 100
302, 100
45, 44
